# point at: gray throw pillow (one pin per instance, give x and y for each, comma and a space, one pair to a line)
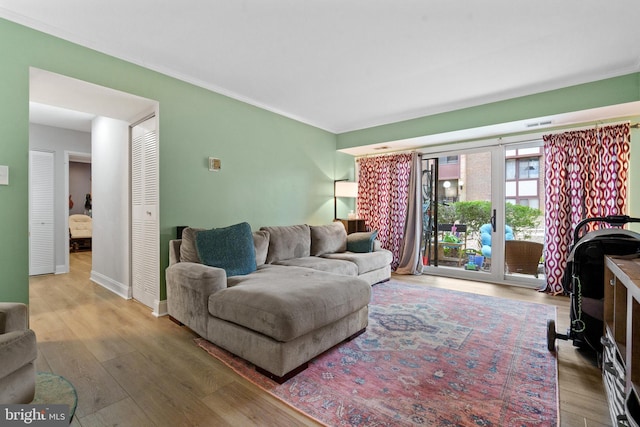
261, 243
328, 239
361, 242
230, 248
188, 252
288, 242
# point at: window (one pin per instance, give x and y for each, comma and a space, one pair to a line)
448, 160
522, 176
510, 169
528, 168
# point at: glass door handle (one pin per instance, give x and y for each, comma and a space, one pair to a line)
493, 221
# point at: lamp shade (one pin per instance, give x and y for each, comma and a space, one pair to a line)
346, 189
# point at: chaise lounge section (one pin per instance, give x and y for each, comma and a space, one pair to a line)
305, 293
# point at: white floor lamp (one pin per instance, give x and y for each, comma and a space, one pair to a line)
343, 188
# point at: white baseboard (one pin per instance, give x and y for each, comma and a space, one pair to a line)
61, 269
160, 308
116, 287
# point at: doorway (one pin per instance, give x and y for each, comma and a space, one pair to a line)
78, 183
62, 102
480, 202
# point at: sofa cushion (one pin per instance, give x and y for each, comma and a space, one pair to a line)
261, 244
286, 242
188, 251
336, 266
230, 248
287, 302
362, 241
366, 262
326, 239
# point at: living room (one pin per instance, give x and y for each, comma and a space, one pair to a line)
275, 170
253, 144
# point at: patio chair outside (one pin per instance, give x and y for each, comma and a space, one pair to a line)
522, 256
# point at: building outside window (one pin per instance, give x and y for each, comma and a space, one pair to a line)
463, 177
523, 177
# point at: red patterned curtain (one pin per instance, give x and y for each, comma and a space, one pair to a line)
383, 195
585, 176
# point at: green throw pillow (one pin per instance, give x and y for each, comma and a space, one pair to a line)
230, 248
361, 242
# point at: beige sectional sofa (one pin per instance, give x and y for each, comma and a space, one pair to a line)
304, 294
18, 353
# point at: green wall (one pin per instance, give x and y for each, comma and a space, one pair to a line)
618, 90
274, 170
613, 91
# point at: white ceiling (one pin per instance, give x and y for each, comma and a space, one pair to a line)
345, 65
50, 115
65, 102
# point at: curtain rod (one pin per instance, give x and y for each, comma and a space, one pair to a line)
389, 153
592, 125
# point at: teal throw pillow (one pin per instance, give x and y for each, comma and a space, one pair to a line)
361, 242
230, 248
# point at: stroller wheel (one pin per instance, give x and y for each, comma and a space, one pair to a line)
551, 335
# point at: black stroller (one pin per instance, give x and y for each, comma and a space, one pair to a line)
583, 279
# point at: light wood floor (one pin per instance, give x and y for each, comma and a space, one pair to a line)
132, 369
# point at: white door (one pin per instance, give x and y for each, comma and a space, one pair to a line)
41, 227
462, 199
145, 230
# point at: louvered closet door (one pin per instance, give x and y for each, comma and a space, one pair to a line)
41, 227
145, 239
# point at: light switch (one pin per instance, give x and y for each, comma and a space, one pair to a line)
4, 175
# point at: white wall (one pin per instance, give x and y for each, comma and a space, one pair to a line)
110, 177
57, 141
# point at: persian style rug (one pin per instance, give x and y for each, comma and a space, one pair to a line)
429, 357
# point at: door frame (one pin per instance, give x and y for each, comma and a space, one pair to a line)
495, 274
497, 148
67, 156
519, 142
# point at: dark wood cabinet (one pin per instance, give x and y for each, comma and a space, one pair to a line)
621, 343
353, 225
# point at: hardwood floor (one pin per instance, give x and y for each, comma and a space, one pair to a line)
132, 369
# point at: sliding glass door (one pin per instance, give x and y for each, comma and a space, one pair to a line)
459, 207
524, 213
478, 201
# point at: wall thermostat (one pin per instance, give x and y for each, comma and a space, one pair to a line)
214, 164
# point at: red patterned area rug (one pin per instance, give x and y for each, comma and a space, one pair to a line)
429, 357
